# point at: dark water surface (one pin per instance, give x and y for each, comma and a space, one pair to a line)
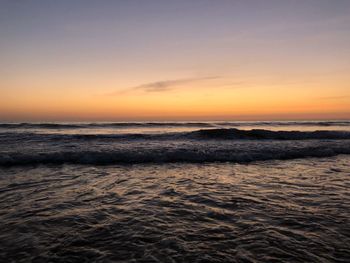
272, 211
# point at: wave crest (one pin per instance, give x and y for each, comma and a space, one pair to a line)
203, 134
267, 134
166, 156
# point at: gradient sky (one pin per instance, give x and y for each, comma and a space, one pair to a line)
158, 60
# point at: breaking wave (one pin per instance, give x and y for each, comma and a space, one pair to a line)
169, 155
205, 145
267, 134
203, 134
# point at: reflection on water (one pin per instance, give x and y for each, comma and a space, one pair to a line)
276, 211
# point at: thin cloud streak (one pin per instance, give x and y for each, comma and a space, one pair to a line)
335, 97
161, 86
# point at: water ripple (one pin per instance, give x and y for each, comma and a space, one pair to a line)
289, 211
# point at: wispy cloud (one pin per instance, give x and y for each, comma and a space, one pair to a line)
162, 86
335, 97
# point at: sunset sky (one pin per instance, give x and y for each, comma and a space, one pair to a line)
174, 60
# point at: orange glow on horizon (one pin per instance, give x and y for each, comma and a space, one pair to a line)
188, 61
200, 101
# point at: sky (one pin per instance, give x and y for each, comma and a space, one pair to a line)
104, 60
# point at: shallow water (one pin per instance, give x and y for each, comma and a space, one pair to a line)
272, 211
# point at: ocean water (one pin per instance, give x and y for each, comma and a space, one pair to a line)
175, 192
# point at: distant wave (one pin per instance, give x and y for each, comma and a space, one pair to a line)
202, 134
39, 125
286, 123
102, 125
167, 124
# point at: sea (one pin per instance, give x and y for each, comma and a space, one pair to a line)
223, 191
